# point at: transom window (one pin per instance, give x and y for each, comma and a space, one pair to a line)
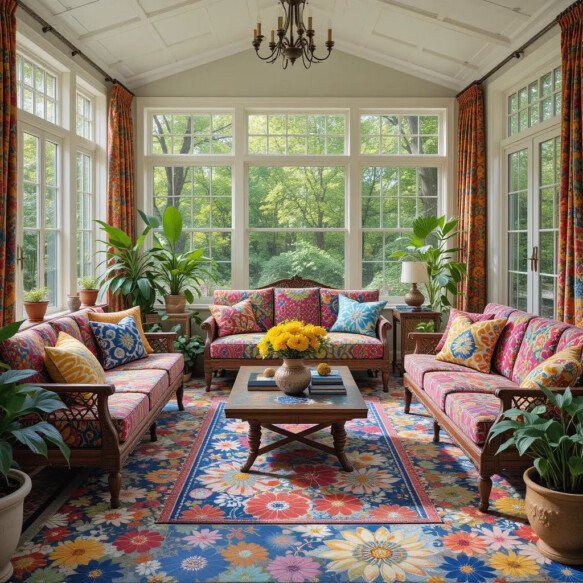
36, 88
84, 116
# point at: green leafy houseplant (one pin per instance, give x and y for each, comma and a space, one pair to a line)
88, 283
429, 242
552, 436
130, 269
190, 348
36, 294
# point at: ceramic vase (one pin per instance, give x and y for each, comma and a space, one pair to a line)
73, 303
293, 377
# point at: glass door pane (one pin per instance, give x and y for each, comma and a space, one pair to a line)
518, 229
31, 209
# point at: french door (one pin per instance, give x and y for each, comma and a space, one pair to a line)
532, 195
40, 188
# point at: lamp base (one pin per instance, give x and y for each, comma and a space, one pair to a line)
414, 297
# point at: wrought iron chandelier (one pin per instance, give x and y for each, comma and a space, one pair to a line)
295, 40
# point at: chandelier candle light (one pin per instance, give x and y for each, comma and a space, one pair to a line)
295, 40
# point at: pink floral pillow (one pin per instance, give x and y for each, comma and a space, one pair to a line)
453, 314
237, 319
297, 304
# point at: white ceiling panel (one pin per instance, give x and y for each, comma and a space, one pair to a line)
451, 42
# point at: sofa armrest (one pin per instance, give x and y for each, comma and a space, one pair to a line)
383, 329
518, 398
161, 341
212, 333
425, 342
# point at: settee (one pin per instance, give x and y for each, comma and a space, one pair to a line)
301, 299
102, 424
466, 403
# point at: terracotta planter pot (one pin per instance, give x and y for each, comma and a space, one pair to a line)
36, 310
556, 518
175, 304
88, 297
293, 377
11, 522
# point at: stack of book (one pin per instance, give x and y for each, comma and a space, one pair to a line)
331, 384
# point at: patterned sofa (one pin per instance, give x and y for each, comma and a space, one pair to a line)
302, 299
103, 422
466, 403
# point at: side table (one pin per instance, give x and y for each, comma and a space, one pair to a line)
408, 320
182, 319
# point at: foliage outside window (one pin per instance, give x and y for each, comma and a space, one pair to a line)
85, 202
36, 89
84, 116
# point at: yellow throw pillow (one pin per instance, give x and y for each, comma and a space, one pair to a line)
472, 344
560, 371
71, 362
115, 317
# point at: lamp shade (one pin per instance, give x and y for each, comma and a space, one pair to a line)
414, 272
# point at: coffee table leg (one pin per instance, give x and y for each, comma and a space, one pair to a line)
339, 436
254, 443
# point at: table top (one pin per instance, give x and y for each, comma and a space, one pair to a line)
245, 404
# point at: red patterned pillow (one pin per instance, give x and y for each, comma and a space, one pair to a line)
453, 314
237, 319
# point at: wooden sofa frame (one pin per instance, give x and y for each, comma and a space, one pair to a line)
112, 454
212, 365
484, 457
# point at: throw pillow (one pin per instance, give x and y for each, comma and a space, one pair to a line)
115, 317
472, 344
71, 362
453, 314
301, 304
357, 317
237, 319
119, 343
561, 370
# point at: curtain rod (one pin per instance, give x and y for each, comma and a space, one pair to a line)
518, 53
46, 27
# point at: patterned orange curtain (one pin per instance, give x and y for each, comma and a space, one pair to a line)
8, 170
570, 265
121, 211
472, 198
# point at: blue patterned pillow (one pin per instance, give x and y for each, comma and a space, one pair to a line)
119, 343
357, 317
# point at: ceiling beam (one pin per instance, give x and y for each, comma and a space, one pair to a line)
515, 12
447, 23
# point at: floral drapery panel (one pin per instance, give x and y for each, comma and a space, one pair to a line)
8, 160
121, 211
570, 251
472, 198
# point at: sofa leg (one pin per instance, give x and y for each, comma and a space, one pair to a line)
114, 480
180, 397
484, 488
436, 429
208, 377
385, 381
408, 397
153, 436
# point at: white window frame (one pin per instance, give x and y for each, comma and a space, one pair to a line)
91, 119
352, 160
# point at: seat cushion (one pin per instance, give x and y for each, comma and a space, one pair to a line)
171, 362
341, 346
539, 343
509, 343
439, 385
297, 304
473, 413
261, 300
418, 365
152, 383
127, 411
329, 302
26, 350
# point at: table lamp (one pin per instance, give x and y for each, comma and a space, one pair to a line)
414, 272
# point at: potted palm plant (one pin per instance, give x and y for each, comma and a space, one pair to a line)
35, 303
88, 290
20, 402
179, 273
552, 435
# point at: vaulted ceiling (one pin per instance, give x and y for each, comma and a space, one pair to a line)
451, 42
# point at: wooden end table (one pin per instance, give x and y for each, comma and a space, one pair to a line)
261, 409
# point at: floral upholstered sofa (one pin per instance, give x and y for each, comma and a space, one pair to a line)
300, 299
103, 423
466, 403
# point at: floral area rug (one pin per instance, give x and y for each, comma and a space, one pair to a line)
87, 542
297, 483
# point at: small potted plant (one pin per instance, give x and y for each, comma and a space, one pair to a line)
191, 348
36, 304
88, 291
22, 408
553, 436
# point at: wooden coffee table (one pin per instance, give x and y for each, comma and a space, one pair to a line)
264, 409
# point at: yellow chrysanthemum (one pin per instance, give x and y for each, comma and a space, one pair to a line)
263, 347
298, 342
514, 565
76, 552
280, 343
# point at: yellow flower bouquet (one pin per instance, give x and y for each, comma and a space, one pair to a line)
293, 339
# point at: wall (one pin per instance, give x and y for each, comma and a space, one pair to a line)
243, 75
